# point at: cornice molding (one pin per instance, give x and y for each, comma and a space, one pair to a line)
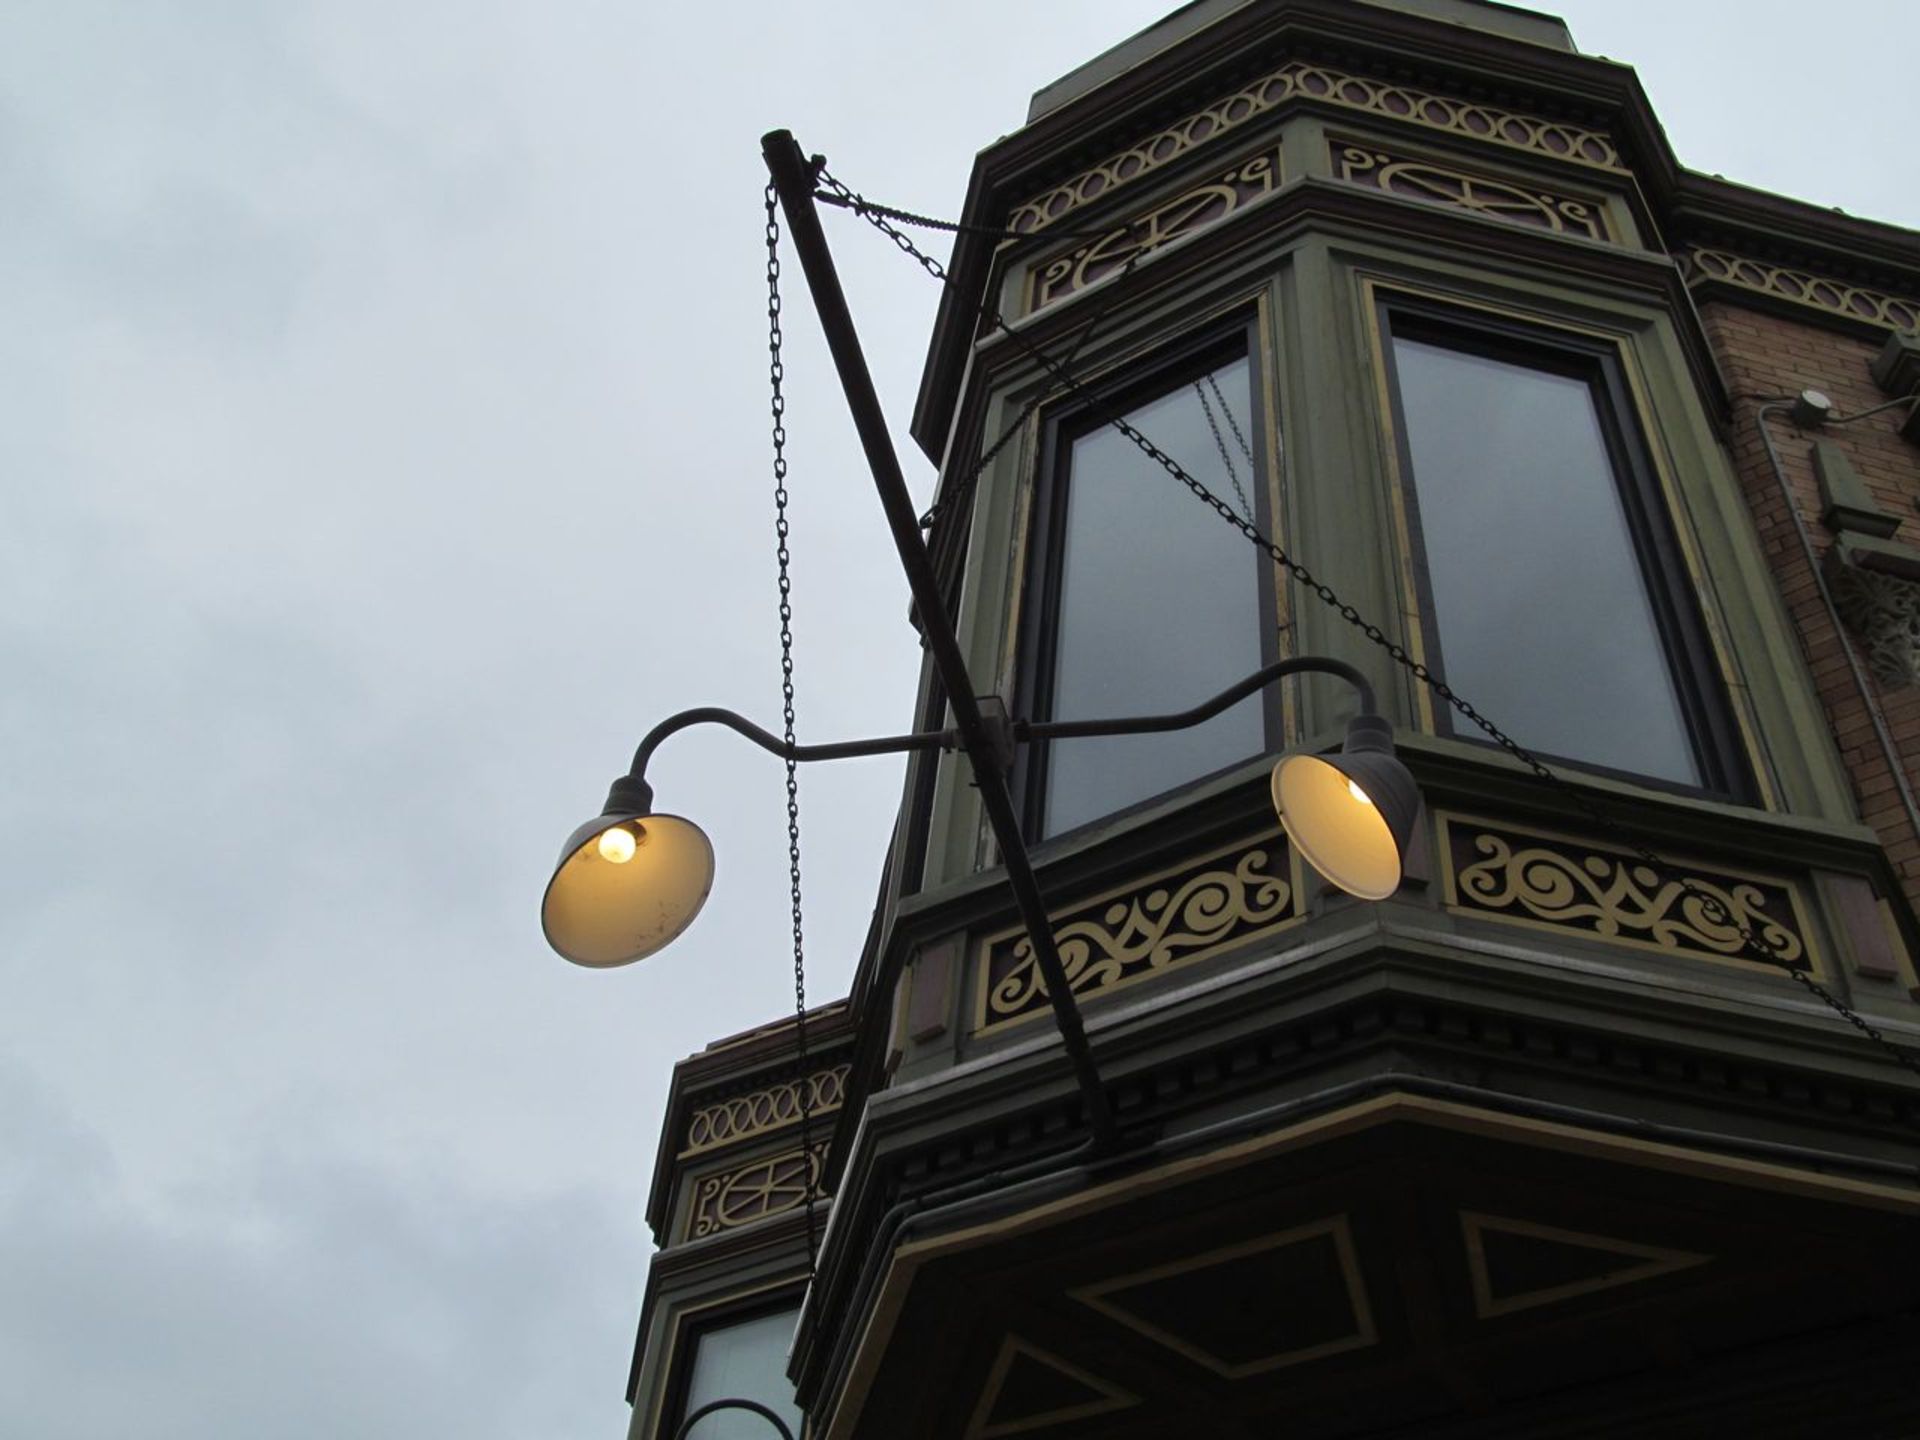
759, 1060
1300, 80
1709, 209
1356, 211
1391, 50
1414, 1034
1389, 46
773, 1107
1710, 270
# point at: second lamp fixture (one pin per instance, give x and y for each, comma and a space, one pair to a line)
629, 881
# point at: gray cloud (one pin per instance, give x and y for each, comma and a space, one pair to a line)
303, 1297
385, 451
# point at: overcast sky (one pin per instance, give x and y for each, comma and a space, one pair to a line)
383, 451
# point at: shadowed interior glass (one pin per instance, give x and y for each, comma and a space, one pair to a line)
1540, 601
1159, 603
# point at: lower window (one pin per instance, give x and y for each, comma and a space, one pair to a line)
742, 1360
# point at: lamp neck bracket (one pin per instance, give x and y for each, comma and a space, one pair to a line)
629, 795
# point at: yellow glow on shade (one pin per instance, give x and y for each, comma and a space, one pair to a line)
617, 844
1336, 826
602, 914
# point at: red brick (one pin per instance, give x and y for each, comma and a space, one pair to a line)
1765, 353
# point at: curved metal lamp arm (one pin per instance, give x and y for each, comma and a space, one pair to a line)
1022, 729
714, 715
1205, 710
753, 1405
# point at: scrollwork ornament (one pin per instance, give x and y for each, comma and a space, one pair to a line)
1466, 190
758, 1191
1186, 213
1300, 80
1152, 930
1703, 264
1613, 896
745, 1116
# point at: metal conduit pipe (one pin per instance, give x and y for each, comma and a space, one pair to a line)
1037, 1180
1911, 402
1859, 674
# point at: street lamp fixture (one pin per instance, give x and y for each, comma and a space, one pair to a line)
1351, 815
629, 881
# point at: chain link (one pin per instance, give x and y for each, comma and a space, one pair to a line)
1232, 424
776, 375
1226, 460
959, 227
1713, 908
964, 487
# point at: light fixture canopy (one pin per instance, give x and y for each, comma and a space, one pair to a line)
1351, 815
613, 901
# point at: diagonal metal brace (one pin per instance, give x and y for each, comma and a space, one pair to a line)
793, 178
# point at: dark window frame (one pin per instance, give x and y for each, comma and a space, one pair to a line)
1168, 369
721, 1315
1672, 591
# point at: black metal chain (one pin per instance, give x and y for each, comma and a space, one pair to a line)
1232, 424
960, 227
1226, 460
1712, 908
964, 486
776, 374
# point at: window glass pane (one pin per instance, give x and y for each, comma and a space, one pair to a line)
1159, 600
747, 1361
1542, 608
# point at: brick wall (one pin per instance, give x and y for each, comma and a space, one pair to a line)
1764, 354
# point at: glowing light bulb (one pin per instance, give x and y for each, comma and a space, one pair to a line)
1359, 794
617, 844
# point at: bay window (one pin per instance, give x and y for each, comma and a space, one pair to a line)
1552, 591
1141, 599
1553, 595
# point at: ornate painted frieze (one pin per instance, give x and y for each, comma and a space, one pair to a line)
1475, 193
757, 1191
1194, 209
1561, 883
1837, 297
1298, 80
746, 1116
1155, 925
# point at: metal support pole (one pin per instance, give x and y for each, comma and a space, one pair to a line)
793, 178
